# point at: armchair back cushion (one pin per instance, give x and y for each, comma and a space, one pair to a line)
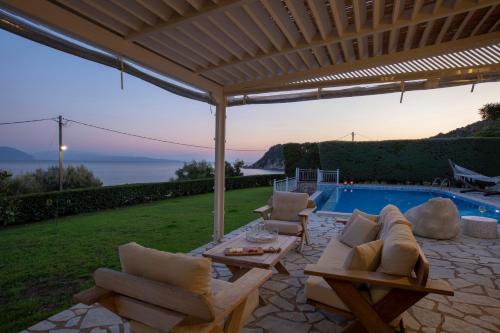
365, 257
355, 213
287, 205
178, 269
400, 251
360, 230
389, 216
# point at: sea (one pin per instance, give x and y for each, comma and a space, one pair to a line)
118, 173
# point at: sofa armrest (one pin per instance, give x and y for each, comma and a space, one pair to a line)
379, 279
264, 211
227, 300
92, 295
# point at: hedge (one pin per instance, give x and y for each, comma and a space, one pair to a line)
302, 155
41, 206
397, 161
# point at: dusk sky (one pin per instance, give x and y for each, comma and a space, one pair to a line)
38, 82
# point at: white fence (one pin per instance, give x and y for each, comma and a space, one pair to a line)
285, 185
328, 177
307, 176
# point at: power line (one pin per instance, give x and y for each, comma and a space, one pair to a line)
154, 139
27, 121
340, 138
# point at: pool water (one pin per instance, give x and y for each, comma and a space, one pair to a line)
372, 200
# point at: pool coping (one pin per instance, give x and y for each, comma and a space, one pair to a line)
450, 191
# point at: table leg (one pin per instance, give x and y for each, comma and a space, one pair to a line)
281, 268
238, 272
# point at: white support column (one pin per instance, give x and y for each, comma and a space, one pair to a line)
219, 188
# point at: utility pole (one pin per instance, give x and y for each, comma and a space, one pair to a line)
61, 166
352, 136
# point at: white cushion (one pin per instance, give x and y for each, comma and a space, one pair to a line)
284, 227
288, 205
361, 230
178, 269
437, 218
355, 212
400, 251
364, 257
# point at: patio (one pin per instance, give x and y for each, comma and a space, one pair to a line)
471, 266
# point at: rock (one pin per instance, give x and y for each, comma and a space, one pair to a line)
427, 317
282, 303
262, 311
457, 325
278, 325
42, 326
326, 326
100, 317
62, 316
481, 323
294, 316
468, 308
73, 322
438, 218
314, 317
475, 299
449, 310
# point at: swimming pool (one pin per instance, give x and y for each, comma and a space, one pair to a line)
372, 199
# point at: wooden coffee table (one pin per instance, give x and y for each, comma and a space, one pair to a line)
239, 265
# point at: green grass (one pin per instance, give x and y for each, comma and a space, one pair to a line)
42, 265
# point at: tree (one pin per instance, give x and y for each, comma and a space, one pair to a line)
48, 180
490, 111
235, 169
203, 169
4, 182
195, 170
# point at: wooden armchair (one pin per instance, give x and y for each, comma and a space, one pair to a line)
294, 220
152, 306
402, 293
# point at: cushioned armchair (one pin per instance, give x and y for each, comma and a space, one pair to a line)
166, 292
288, 212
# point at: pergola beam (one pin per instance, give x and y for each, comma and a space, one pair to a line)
344, 35
281, 83
411, 76
362, 91
190, 16
57, 18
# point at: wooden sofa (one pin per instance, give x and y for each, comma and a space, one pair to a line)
375, 300
152, 306
288, 212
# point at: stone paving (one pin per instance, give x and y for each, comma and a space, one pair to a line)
470, 265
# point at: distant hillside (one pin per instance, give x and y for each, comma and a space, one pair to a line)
92, 157
12, 154
483, 128
272, 159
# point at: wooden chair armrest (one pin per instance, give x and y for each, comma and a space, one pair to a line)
263, 209
379, 279
92, 295
227, 300
306, 212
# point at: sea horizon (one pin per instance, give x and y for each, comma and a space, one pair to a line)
118, 172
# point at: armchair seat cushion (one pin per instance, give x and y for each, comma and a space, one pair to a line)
285, 227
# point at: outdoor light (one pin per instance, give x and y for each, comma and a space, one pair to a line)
63, 148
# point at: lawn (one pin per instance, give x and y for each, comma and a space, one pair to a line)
42, 265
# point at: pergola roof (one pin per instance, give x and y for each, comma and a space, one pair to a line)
241, 47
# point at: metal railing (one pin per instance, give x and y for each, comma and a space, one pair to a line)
328, 177
290, 184
286, 185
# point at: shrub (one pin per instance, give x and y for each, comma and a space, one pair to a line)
490, 111
41, 206
396, 161
48, 180
203, 169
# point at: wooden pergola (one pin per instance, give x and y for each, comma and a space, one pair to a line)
228, 52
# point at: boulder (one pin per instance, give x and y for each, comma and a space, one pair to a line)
437, 218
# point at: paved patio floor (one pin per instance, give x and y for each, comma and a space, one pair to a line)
470, 265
